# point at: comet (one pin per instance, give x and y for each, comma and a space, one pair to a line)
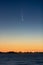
22, 18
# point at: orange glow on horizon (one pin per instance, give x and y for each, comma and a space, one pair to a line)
21, 45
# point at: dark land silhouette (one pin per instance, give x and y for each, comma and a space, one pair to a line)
21, 58
12, 52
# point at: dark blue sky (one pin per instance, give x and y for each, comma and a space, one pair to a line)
21, 14
11, 12
25, 15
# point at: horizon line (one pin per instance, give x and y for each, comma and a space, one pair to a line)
21, 52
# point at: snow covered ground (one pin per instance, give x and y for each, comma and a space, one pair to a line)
13, 59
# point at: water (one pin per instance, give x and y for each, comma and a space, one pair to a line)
21, 59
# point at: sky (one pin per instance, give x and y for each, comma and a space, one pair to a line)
21, 25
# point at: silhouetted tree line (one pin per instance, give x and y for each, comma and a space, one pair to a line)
12, 52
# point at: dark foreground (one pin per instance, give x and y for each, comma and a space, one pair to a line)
21, 58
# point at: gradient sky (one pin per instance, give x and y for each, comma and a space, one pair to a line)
21, 26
